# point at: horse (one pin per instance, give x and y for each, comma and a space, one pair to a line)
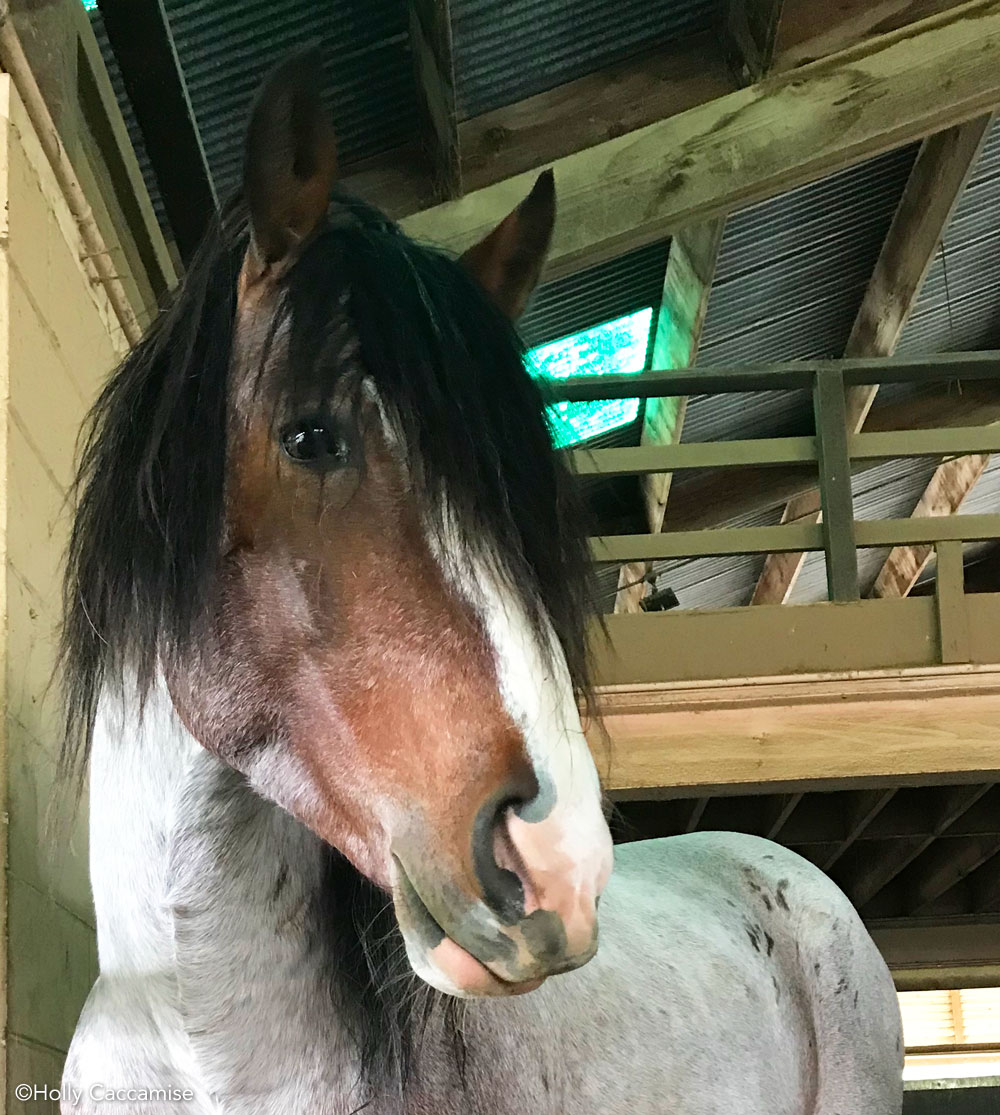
324, 650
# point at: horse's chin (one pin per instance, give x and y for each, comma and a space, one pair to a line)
449, 968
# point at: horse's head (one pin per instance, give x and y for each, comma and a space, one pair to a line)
393, 626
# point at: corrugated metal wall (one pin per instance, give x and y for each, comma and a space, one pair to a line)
506, 52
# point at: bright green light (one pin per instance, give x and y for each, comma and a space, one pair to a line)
89, 5
617, 347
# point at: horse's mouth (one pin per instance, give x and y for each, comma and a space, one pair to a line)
437, 958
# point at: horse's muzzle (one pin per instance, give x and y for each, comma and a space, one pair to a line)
534, 914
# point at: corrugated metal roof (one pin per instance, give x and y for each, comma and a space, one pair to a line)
595, 295
226, 47
506, 52
959, 306
131, 125
790, 277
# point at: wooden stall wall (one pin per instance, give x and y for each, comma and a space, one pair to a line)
58, 341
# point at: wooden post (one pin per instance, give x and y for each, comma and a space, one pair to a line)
835, 486
430, 42
953, 619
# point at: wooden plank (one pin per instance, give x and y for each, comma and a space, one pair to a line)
800, 745
789, 537
944, 495
629, 95
751, 144
431, 46
810, 30
926, 443
939, 955
687, 285
957, 528
680, 317
621, 548
656, 458
935, 184
690, 645
792, 375
952, 605
836, 499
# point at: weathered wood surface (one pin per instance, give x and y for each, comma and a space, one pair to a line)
944, 495
799, 734
431, 46
753, 143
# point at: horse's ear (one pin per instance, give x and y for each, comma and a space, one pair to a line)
291, 160
509, 261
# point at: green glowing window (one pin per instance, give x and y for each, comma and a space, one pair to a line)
617, 347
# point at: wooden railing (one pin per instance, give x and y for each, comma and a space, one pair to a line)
831, 450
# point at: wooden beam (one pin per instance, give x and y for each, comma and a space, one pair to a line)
944, 866
431, 46
864, 807
944, 495
795, 735
751, 31
938, 178
810, 30
941, 954
751, 144
620, 99
872, 872
680, 317
691, 645
140, 38
835, 487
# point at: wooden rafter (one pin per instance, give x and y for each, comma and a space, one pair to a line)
431, 47
946, 491
936, 182
873, 871
753, 143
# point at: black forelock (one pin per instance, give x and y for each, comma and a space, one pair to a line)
448, 366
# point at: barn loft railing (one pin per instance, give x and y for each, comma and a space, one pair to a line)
831, 450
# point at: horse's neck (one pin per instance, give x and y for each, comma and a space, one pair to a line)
205, 889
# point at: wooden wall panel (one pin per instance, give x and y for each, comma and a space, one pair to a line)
58, 342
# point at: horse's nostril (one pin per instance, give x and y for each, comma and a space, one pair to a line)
499, 867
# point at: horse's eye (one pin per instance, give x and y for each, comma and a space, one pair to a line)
315, 441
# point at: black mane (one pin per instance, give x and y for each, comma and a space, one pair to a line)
146, 537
